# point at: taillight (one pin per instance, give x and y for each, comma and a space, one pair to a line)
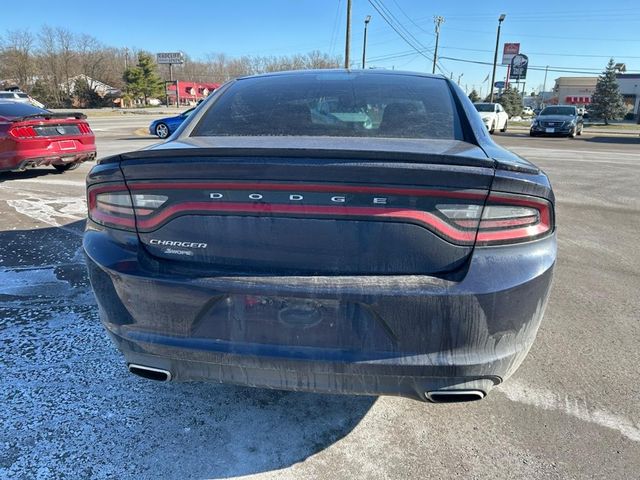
505, 218
113, 206
84, 128
22, 132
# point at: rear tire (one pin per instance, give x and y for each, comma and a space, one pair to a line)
67, 166
162, 131
504, 129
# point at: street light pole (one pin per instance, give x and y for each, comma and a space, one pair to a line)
495, 57
459, 77
367, 19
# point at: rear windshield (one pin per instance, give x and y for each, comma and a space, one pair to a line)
338, 104
485, 107
558, 111
16, 109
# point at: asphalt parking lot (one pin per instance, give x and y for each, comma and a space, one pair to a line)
69, 409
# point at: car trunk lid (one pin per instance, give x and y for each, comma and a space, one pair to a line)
304, 207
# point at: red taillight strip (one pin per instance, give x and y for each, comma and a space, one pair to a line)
84, 128
423, 218
507, 235
302, 187
103, 217
23, 132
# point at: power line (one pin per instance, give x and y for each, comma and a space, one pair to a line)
398, 23
377, 5
594, 38
393, 56
545, 54
536, 67
411, 19
334, 31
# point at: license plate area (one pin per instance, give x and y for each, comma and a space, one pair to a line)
550, 130
295, 322
67, 145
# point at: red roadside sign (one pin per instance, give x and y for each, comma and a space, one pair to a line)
509, 51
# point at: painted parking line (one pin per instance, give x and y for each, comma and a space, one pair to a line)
575, 407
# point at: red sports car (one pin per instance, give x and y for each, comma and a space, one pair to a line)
31, 136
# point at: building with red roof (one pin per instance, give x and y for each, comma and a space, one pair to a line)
190, 92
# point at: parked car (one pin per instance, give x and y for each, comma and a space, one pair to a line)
558, 120
493, 115
266, 246
166, 126
18, 96
32, 137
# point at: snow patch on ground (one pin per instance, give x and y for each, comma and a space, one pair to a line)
28, 281
50, 210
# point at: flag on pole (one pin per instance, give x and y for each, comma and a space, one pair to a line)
486, 78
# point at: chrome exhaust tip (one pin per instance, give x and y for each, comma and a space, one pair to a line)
455, 396
150, 373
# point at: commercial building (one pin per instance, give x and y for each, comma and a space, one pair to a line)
575, 90
579, 90
629, 85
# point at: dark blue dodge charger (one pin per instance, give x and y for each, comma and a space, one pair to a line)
331, 231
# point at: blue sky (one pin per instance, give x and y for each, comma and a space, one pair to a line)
569, 36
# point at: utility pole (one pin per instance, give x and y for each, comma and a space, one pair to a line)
438, 20
347, 43
495, 57
459, 77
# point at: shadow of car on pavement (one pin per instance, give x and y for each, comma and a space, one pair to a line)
626, 140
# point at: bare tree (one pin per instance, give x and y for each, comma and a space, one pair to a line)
17, 62
91, 55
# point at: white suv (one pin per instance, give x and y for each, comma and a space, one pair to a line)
18, 96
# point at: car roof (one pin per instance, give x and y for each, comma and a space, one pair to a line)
333, 71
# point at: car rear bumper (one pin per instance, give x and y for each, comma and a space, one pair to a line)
22, 162
375, 335
557, 131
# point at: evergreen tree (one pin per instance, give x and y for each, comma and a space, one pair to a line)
473, 96
511, 100
606, 101
143, 81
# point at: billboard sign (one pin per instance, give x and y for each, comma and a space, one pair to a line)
509, 51
519, 65
174, 58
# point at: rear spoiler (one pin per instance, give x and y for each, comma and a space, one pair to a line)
50, 115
